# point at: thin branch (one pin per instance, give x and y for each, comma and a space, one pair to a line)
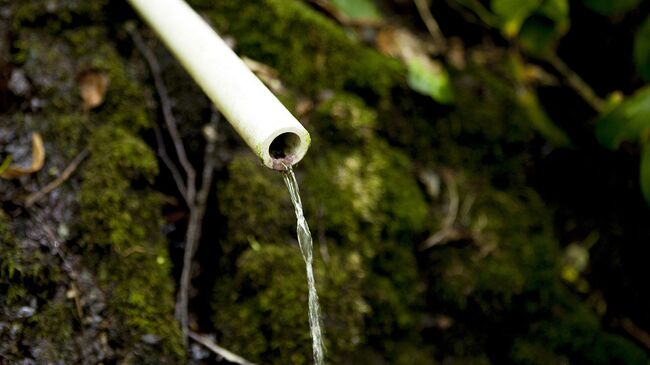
447, 229
193, 233
69, 170
576, 82
168, 115
162, 153
210, 345
635, 331
431, 23
477, 9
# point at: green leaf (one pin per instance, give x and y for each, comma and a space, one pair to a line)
358, 10
541, 32
513, 13
540, 120
629, 121
642, 50
430, 78
644, 174
5, 164
556, 10
611, 7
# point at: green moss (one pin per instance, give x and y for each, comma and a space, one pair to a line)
20, 270
489, 132
117, 228
343, 120
121, 225
10, 263
109, 218
26, 280
309, 50
577, 336
54, 62
255, 202
56, 14
515, 256
360, 187
262, 311
54, 325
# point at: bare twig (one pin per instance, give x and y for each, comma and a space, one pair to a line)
168, 114
576, 82
476, 9
69, 170
447, 229
196, 203
635, 331
210, 345
162, 153
193, 233
431, 24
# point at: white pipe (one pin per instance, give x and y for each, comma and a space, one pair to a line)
257, 115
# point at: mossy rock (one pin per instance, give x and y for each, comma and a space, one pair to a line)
575, 335
363, 195
261, 312
342, 120
323, 56
508, 252
121, 224
116, 234
255, 203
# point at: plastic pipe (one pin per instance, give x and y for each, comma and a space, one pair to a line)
257, 115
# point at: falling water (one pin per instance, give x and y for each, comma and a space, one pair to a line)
306, 247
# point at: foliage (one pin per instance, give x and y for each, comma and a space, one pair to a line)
490, 292
361, 196
611, 7
629, 122
642, 50
358, 10
430, 79
538, 24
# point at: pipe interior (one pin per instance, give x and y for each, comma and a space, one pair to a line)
284, 145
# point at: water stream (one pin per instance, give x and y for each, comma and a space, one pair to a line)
306, 247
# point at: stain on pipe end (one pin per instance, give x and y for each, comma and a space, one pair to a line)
284, 150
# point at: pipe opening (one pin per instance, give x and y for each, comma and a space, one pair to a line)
284, 145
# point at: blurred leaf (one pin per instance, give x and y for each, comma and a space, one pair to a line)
644, 175
400, 42
5, 164
513, 13
642, 50
629, 121
538, 37
38, 158
557, 10
430, 78
540, 120
358, 10
611, 7
541, 32
529, 102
